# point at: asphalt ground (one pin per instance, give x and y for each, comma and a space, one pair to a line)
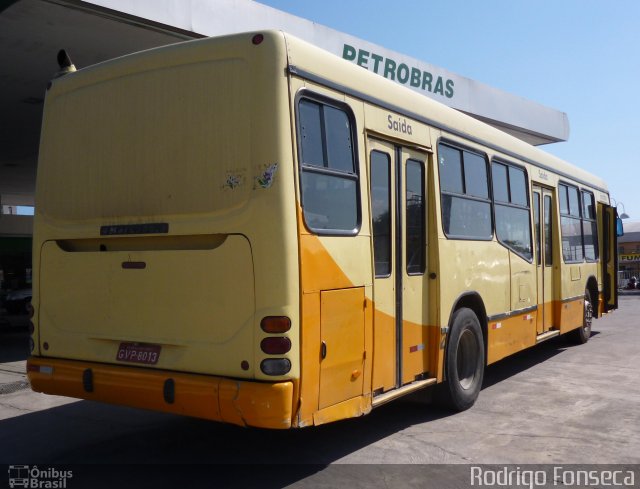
556, 403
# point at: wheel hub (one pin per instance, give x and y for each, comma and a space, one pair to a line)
467, 359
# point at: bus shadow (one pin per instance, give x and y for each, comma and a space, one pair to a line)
91, 432
527, 359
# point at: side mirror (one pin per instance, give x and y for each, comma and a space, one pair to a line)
619, 227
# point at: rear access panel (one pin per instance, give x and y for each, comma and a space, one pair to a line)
342, 345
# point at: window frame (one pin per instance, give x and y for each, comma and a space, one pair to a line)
567, 185
548, 237
537, 226
589, 220
423, 252
306, 94
488, 200
527, 185
390, 207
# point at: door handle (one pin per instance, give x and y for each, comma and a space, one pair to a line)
323, 350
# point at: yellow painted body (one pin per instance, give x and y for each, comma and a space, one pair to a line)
202, 139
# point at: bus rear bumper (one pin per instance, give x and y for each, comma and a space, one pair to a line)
244, 403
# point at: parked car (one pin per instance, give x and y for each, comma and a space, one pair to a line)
16, 301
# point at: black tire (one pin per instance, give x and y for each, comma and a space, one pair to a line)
583, 333
464, 362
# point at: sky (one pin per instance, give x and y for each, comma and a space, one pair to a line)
581, 57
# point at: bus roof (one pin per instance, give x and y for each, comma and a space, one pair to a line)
318, 65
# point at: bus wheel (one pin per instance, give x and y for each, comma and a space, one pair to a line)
464, 361
583, 333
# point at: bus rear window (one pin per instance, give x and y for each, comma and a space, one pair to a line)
329, 180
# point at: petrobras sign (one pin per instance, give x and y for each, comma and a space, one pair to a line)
408, 74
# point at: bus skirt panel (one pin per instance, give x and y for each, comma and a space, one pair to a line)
244, 403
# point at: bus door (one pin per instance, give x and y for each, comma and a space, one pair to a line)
543, 226
609, 258
398, 215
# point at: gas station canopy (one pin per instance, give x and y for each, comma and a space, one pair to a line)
32, 32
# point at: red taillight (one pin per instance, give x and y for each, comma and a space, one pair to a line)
275, 324
32, 328
275, 345
30, 310
257, 39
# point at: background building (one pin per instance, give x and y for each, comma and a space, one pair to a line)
629, 252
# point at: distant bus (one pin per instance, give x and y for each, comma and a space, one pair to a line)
251, 230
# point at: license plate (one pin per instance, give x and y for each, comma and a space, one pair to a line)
138, 353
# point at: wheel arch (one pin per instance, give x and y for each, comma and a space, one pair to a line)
471, 300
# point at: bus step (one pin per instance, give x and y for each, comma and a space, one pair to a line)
405, 389
548, 335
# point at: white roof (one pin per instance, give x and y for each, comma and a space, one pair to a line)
631, 232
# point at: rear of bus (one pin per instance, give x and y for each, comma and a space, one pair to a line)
165, 251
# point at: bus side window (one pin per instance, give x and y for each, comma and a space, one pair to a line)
329, 178
513, 227
415, 216
381, 212
570, 224
589, 226
464, 192
548, 241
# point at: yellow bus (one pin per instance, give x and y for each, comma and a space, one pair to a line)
251, 230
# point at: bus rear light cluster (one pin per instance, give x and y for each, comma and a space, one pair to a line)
275, 345
32, 328
275, 366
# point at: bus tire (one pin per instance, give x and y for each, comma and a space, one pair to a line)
464, 363
583, 333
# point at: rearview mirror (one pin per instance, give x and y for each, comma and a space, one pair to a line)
619, 227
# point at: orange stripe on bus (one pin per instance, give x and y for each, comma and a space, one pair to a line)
245, 403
